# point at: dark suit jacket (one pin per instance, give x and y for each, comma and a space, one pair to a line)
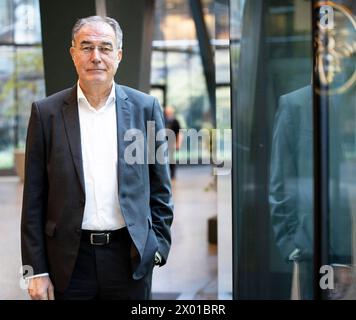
291, 179
54, 193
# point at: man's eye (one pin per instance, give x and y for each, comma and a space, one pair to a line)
106, 50
86, 49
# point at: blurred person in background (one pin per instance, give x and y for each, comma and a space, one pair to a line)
173, 145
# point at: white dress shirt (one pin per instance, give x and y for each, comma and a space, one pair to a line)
98, 133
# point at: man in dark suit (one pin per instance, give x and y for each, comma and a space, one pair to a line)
291, 189
93, 225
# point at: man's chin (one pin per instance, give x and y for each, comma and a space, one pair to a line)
96, 80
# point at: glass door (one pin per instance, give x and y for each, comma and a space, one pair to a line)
334, 93
293, 144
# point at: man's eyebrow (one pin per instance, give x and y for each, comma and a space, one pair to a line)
105, 43
85, 42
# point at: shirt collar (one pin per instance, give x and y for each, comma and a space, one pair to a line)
82, 97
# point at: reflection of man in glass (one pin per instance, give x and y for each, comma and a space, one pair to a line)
291, 189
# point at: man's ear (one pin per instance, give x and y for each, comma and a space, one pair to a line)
119, 55
71, 51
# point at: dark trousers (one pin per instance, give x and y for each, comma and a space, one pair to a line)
104, 272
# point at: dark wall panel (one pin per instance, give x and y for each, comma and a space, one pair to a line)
136, 19
57, 20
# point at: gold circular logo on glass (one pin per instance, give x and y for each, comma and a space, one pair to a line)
336, 48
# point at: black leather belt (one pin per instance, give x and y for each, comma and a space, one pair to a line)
100, 238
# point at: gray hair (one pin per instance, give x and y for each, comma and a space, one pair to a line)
95, 19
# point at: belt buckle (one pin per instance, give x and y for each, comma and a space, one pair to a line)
99, 234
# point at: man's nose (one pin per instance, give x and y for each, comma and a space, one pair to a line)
95, 56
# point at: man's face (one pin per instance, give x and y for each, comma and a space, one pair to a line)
95, 54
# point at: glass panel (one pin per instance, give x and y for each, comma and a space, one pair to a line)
272, 148
177, 68
7, 105
222, 149
336, 66
177, 77
21, 82
6, 21
20, 22
182, 75
30, 87
222, 74
159, 68
173, 20
21, 73
159, 94
27, 22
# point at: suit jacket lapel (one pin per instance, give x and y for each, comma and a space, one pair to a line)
123, 120
72, 127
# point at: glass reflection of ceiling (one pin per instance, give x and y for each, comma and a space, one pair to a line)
173, 20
